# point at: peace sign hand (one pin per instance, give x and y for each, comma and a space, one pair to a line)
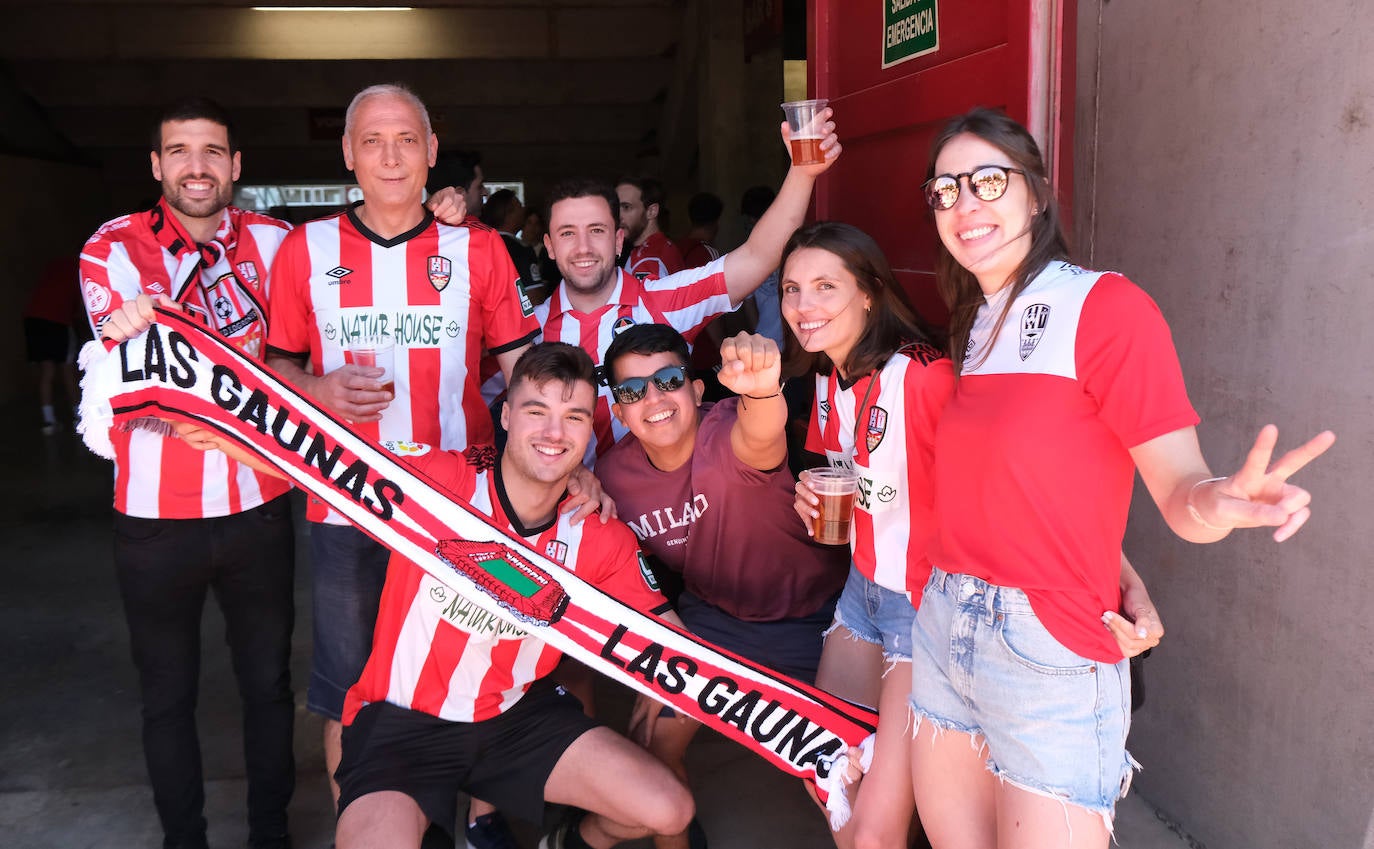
1259, 495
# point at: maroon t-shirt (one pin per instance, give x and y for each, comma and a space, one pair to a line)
727, 527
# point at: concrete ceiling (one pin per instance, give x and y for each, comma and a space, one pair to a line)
540, 87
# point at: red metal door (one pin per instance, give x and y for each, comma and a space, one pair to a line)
1015, 54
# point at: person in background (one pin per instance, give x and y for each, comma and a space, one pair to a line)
698, 248
49, 316
505, 214
652, 254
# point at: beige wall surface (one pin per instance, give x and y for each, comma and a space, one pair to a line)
1225, 162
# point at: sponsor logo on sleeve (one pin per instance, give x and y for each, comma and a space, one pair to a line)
406, 449
645, 572
97, 297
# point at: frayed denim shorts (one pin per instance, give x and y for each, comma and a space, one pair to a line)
1053, 723
875, 614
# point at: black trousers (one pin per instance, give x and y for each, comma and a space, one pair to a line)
165, 567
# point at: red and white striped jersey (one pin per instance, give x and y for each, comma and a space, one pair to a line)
442, 294
686, 301
435, 651
894, 515
655, 259
156, 476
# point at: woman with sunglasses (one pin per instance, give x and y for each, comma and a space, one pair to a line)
1068, 383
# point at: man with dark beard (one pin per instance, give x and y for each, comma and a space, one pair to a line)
188, 522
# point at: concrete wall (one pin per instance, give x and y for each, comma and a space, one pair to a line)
1223, 161
52, 208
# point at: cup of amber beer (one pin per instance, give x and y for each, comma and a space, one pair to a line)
374, 352
836, 489
803, 119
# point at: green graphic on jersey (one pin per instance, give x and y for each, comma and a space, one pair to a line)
502, 570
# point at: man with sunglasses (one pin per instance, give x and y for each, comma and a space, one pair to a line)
708, 492
597, 300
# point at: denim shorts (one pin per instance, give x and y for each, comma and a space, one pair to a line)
875, 614
1054, 723
347, 572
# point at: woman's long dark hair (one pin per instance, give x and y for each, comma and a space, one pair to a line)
891, 321
957, 285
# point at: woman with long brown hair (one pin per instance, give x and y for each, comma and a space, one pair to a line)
1068, 383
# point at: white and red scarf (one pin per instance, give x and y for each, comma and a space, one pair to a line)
181, 371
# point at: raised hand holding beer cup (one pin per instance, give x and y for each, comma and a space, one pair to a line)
810, 134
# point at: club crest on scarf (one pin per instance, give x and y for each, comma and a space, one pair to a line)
440, 272
248, 273
1033, 321
877, 426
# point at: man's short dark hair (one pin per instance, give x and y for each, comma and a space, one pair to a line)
456, 168
645, 340
704, 208
196, 108
583, 187
650, 189
755, 201
558, 361
498, 207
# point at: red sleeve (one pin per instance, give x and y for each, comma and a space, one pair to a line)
289, 297
619, 569
813, 429
927, 388
1127, 363
106, 279
507, 314
453, 472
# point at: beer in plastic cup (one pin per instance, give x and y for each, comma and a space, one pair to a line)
804, 121
375, 352
835, 488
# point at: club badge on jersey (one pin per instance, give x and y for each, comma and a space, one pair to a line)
877, 426
440, 272
1033, 322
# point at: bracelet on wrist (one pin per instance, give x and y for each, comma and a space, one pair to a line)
762, 397
1192, 508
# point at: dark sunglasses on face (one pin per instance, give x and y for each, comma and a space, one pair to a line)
633, 389
988, 183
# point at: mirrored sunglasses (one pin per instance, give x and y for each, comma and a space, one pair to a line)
988, 183
633, 389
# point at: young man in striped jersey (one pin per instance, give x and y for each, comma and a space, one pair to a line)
188, 522
453, 699
597, 300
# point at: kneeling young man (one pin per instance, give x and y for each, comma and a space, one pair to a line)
453, 699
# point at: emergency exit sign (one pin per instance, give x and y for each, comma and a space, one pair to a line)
909, 30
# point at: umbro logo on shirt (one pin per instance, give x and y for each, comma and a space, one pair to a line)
339, 273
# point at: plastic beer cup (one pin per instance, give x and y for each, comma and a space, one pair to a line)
803, 118
836, 489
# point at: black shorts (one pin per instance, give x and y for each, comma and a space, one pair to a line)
790, 646
46, 341
505, 760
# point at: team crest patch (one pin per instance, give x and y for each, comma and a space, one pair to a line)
97, 296
248, 272
1033, 321
440, 272
646, 572
621, 325
405, 449
556, 550
877, 426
